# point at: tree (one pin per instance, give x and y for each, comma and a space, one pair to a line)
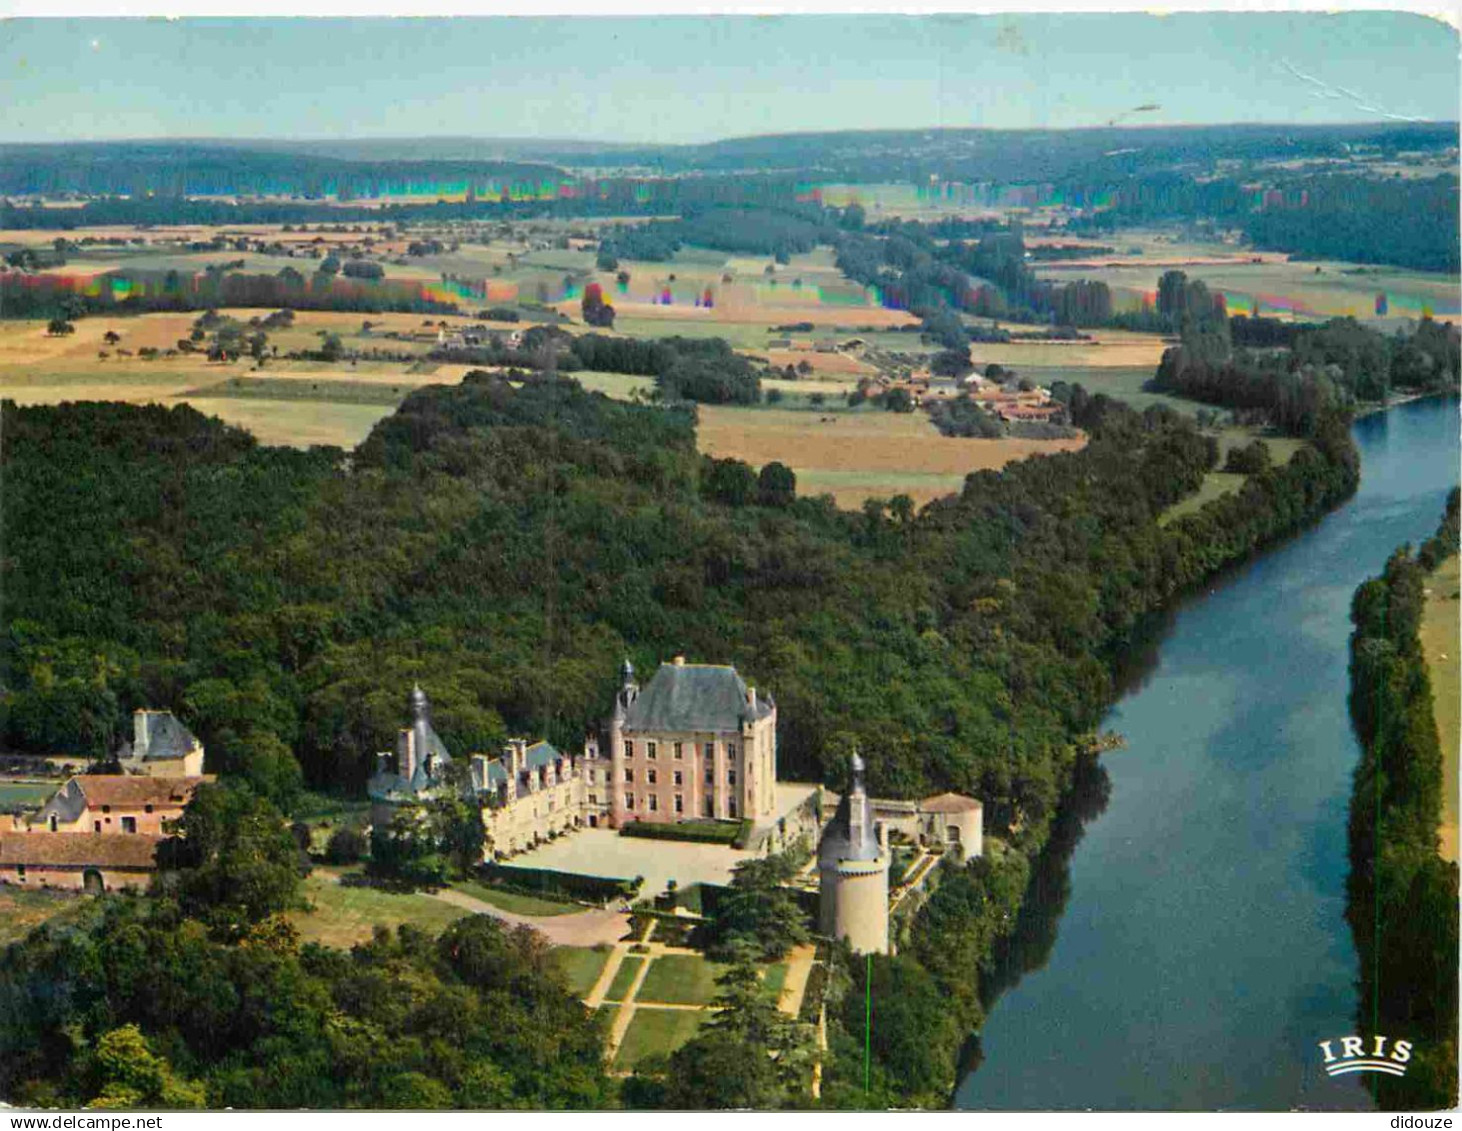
595, 310
126, 1073
111, 337
236, 861
58, 327
951, 363
346, 846
759, 911
776, 485
750, 1055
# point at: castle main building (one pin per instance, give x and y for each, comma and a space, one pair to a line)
696, 741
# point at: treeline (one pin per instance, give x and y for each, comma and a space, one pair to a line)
1402, 896
1404, 221
1292, 378
52, 296
778, 232
707, 370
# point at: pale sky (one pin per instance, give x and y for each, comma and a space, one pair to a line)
682, 79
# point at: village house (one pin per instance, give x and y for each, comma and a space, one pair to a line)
114, 803
695, 742
161, 746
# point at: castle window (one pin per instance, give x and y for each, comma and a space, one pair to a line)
629, 800
679, 778
710, 751
593, 799
106, 808
96, 826
679, 804
129, 824
731, 807
20, 871
710, 776
680, 750
53, 822
629, 748
654, 803
730, 777
629, 775
650, 776
706, 807
730, 750
650, 749
147, 808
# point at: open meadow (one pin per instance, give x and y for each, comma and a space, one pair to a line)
857, 455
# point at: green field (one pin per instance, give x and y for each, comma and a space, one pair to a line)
581, 966
343, 916
517, 904
680, 979
293, 389
1217, 484
624, 977
16, 795
657, 1032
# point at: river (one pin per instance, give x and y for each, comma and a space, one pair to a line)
1200, 946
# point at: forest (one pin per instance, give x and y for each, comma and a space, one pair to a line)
1402, 896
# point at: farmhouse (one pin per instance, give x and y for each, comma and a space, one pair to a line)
695, 742
92, 863
100, 804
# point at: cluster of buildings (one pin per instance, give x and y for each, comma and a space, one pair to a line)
100, 832
695, 742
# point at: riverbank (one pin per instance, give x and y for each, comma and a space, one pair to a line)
1402, 896
1441, 627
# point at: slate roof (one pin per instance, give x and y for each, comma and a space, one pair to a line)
949, 803
383, 786
537, 756
79, 850
166, 738
694, 697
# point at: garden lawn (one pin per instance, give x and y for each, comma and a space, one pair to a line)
514, 902
654, 1032
624, 977
680, 979
581, 966
343, 916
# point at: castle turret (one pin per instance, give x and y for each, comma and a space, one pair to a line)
853, 870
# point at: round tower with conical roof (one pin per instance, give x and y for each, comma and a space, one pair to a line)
853, 872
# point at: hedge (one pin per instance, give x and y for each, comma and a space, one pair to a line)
570, 885
700, 832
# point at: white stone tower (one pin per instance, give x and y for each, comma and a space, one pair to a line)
853, 867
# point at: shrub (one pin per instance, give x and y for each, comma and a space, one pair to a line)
698, 832
346, 846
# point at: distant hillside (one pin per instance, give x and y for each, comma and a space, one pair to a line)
367, 166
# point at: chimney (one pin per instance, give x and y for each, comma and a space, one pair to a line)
406, 753
479, 773
141, 733
751, 698
679, 661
